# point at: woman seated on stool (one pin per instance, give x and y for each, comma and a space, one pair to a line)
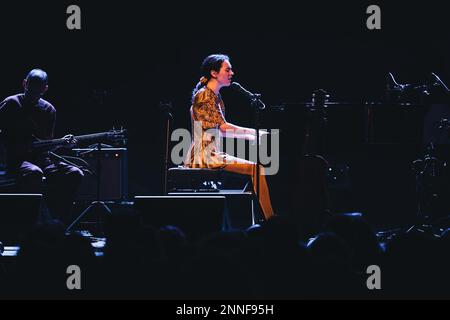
208, 122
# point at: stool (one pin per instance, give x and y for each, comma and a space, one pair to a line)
183, 179
236, 188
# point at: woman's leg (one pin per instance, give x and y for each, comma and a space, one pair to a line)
242, 166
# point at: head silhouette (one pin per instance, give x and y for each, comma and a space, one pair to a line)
35, 85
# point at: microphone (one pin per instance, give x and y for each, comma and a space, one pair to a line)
236, 86
393, 85
252, 96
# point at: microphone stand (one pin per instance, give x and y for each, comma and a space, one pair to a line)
166, 107
98, 206
258, 105
439, 82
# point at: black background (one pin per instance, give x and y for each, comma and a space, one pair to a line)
142, 52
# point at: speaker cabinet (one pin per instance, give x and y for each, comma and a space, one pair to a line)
19, 212
196, 216
112, 164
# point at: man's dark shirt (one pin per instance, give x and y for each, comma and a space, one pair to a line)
21, 123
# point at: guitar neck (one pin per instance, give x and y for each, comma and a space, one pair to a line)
94, 136
58, 142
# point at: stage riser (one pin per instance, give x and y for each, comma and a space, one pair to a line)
197, 214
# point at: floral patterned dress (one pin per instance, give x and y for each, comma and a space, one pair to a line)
207, 115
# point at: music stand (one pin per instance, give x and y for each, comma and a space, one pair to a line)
96, 207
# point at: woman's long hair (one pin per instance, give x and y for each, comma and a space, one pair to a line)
212, 62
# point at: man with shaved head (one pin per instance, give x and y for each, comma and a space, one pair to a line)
27, 117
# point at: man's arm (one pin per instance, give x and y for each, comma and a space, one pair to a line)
51, 127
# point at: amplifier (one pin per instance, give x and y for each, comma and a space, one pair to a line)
112, 163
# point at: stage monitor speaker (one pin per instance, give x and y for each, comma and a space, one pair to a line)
195, 216
19, 212
240, 207
113, 174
